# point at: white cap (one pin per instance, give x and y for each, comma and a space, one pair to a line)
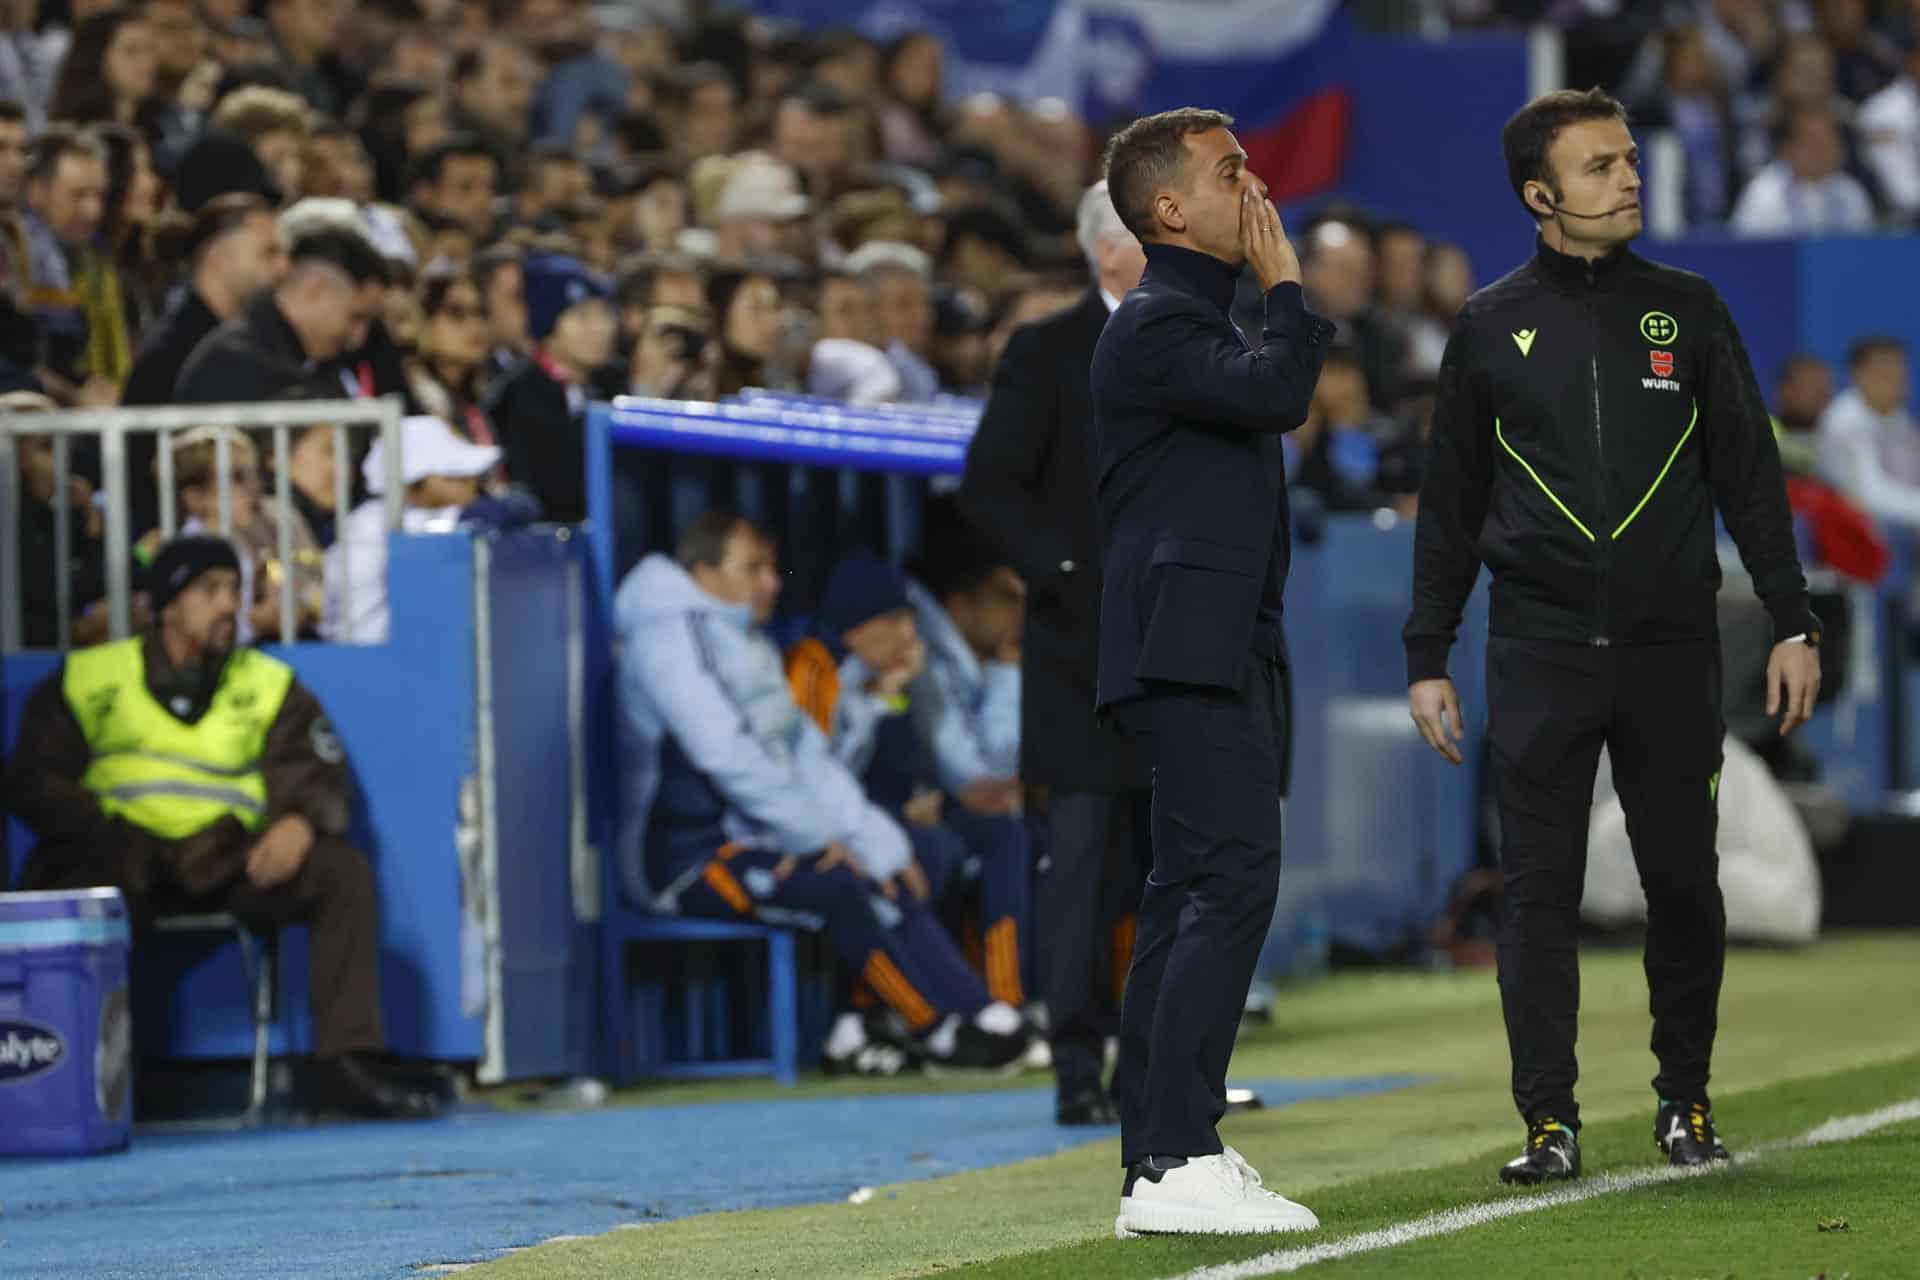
852, 371
761, 188
428, 447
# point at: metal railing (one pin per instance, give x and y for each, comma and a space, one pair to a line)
113, 427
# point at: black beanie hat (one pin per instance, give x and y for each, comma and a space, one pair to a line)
179, 562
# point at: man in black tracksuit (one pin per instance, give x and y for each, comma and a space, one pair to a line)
1594, 411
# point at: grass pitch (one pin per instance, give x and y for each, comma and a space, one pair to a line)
1805, 1035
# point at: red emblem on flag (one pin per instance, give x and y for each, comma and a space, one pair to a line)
1662, 362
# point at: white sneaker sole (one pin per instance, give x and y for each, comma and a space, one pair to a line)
1138, 1219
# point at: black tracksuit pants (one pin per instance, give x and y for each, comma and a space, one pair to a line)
1656, 708
1097, 858
1216, 761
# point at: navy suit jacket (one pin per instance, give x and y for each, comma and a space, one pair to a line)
1191, 485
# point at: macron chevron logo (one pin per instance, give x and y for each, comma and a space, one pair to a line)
1523, 339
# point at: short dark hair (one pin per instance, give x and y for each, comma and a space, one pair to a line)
428, 166
1148, 154
637, 276
1871, 345
58, 140
1798, 361
704, 542
11, 112
1529, 135
347, 251
492, 259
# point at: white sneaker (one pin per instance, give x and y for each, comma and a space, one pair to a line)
1208, 1195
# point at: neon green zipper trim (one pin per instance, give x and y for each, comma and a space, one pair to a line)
1663, 471
1551, 495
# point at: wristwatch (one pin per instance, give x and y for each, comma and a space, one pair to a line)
1811, 639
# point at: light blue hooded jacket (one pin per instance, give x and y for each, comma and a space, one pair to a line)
694, 667
967, 711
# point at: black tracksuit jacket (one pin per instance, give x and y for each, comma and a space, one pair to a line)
1590, 418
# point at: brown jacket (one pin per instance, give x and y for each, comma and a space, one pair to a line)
80, 844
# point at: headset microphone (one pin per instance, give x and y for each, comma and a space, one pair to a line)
1589, 217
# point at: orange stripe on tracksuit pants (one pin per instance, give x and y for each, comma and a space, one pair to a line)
898, 948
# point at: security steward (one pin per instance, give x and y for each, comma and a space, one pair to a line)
195, 776
1594, 410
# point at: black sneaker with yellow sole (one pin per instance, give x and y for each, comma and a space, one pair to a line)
1552, 1154
1684, 1130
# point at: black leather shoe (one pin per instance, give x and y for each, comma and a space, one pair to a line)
1085, 1107
346, 1084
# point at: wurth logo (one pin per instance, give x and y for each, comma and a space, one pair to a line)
1660, 384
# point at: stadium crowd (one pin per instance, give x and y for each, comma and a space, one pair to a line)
499, 212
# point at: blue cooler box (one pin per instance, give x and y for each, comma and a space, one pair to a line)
66, 1036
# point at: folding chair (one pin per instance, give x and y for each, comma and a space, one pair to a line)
256, 958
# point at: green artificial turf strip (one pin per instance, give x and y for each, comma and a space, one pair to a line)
1753, 1220
1780, 1111
1785, 1015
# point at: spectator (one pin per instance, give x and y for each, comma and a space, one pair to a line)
16, 257
1889, 124
231, 253
110, 73
1805, 191
1338, 270
255, 529
457, 179
336, 165
446, 372
442, 473
846, 362
126, 780
72, 290
312, 485
131, 208
179, 46
554, 182
659, 209
492, 91
1864, 63
274, 123
307, 36
538, 410
900, 277
280, 344
219, 164
1869, 441
39, 567
650, 280
1339, 459
1804, 391
812, 134
673, 355
700, 110
1693, 104
910, 123
745, 306
399, 122
985, 249
501, 277
735, 805
30, 60
760, 199
960, 332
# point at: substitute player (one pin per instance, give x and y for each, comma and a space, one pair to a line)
1594, 410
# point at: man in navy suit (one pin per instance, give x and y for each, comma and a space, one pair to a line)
1192, 499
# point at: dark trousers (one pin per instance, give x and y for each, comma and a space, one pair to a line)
1656, 708
333, 894
1099, 848
896, 946
1208, 904
984, 861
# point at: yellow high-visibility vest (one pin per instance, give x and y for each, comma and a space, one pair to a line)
157, 771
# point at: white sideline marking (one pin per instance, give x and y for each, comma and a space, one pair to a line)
1841, 1129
